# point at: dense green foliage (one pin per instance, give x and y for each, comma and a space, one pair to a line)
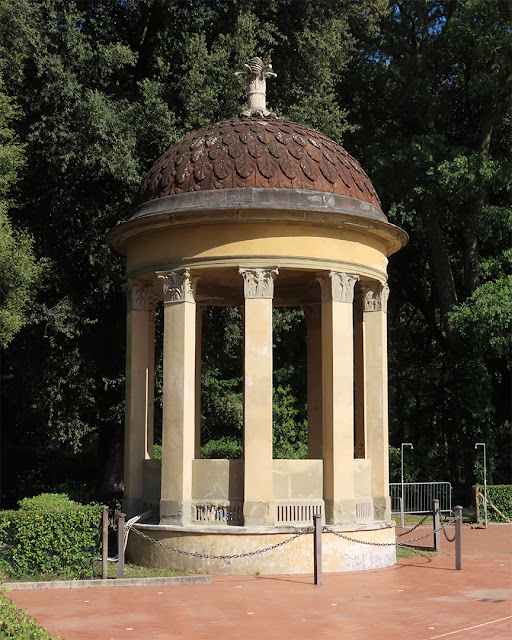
500, 495
15, 624
19, 275
19, 269
431, 98
50, 535
93, 92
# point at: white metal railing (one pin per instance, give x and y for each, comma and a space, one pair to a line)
418, 496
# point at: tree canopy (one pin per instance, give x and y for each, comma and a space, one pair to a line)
19, 270
94, 92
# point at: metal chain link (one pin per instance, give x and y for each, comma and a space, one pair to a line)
399, 535
443, 524
386, 544
225, 558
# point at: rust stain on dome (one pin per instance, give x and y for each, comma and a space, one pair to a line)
256, 152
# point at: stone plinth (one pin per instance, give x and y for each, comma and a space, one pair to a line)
296, 556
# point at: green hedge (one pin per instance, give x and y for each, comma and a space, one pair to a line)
225, 447
15, 624
501, 497
50, 535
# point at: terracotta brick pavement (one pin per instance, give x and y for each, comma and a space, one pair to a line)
420, 598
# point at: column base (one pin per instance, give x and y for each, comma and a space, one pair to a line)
177, 512
257, 514
340, 511
382, 508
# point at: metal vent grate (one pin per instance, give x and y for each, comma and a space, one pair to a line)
220, 514
297, 512
364, 511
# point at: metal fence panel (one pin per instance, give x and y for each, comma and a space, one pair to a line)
418, 496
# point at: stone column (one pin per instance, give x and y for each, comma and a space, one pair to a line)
179, 391
258, 481
376, 394
314, 380
199, 332
140, 359
359, 431
338, 396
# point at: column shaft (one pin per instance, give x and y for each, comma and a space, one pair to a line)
179, 389
258, 479
150, 420
338, 397
359, 430
314, 380
139, 392
199, 332
376, 396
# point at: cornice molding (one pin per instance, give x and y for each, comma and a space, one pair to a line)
258, 205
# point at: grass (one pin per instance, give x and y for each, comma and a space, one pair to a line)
411, 552
130, 571
410, 519
134, 571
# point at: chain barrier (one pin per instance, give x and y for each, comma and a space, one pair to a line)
399, 535
443, 524
225, 558
386, 544
325, 529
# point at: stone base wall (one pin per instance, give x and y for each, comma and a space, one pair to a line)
294, 557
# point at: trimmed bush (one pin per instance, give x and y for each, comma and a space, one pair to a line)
15, 624
500, 495
225, 447
50, 535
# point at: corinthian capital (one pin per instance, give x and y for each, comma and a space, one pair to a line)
338, 286
178, 286
375, 297
258, 283
139, 295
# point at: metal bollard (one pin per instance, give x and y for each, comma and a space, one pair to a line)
458, 537
437, 525
317, 547
104, 543
120, 544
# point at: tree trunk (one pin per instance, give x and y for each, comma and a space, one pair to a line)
111, 451
444, 282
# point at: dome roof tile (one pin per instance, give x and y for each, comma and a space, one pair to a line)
257, 152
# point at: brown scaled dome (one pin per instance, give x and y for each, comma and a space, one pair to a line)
257, 152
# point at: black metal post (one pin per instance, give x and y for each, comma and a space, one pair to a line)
457, 511
120, 544
104, 543
437, 525
317, 547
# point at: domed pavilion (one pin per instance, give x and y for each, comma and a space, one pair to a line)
252, 213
